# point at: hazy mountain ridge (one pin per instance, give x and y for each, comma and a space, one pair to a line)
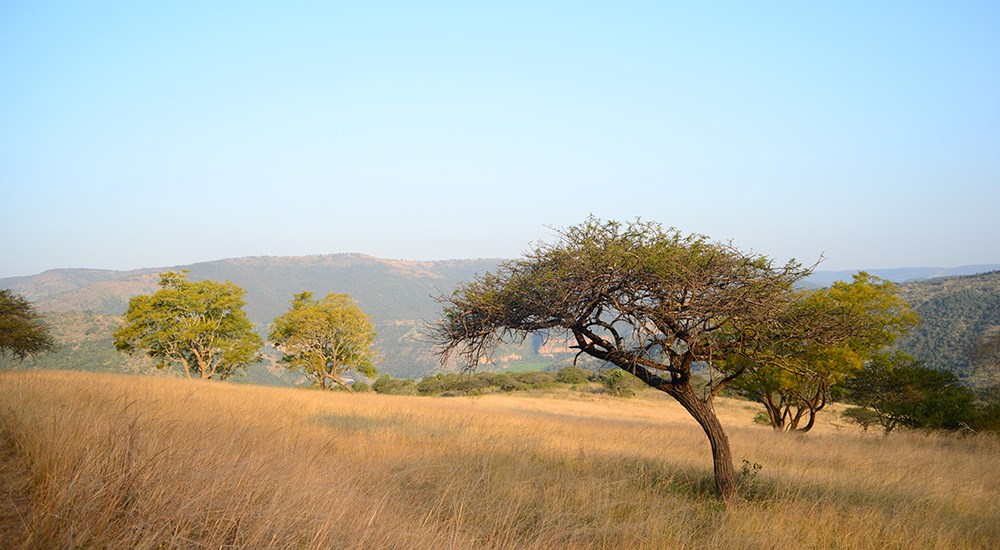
400, 297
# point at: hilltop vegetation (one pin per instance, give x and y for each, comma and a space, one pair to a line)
95, 460
956, 313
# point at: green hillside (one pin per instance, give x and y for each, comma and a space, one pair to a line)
955, 313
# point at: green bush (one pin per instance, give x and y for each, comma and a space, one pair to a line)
762, 418
620, 383
862, 416
573, 375
361, 387
453, 384
535, 380
394, 386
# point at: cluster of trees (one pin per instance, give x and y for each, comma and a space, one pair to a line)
894, 389
202, 328
656, 304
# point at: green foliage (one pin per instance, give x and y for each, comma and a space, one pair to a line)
197, 325
361, 387
573, 375
480, 383
648, 300
325, 339
902, 392
862, 416
762, 418
620, 383
23, 332
833, 332
394, 386
957, 314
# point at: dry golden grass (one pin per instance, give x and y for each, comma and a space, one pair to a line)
129, 462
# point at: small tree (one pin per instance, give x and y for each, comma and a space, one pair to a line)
200, 326
23, 332
649, 301
848, 323
325, 339
903, 392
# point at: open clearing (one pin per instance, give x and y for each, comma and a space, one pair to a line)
91, 460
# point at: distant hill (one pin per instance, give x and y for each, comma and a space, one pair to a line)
398, 295
84, 305
822, 279
955, 313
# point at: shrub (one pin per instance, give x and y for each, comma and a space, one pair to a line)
573, 375
454, 384
862, 416
535, 380
394, 386
620, 383
361, 387
762, 418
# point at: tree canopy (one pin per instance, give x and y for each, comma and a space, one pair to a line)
199, 326
325, 339
903, 392
848, 324
648, 300
23, 332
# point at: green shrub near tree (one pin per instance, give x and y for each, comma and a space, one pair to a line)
902, 392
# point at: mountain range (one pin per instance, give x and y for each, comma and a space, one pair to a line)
84, 306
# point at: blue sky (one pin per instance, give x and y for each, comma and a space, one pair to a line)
141, 134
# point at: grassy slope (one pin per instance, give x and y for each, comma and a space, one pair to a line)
98, 460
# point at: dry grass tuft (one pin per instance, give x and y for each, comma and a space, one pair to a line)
128, 462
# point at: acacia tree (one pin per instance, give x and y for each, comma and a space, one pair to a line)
325, 339
848, 323
199, 326
23, 332
650, 301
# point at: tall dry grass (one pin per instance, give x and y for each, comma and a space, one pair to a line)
129, 462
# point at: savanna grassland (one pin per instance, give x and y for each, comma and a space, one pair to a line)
111, 461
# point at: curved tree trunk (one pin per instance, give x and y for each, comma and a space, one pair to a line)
339, 381
726, 485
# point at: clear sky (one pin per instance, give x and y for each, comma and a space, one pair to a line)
147, 134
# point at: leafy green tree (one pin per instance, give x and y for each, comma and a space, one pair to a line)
325, 339
903, 392
649, 301
200, 326
848, 322
23, 332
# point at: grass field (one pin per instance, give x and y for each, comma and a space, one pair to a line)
105, 461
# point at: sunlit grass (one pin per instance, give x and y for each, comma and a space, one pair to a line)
131, 462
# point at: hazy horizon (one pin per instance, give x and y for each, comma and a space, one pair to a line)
821, 268
170, 134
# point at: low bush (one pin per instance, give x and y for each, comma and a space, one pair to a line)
394, 386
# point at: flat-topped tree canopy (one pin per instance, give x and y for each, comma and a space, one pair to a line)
633, 294
649, 300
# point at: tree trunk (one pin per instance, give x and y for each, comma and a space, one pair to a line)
187, 368
726, 486
340, 382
